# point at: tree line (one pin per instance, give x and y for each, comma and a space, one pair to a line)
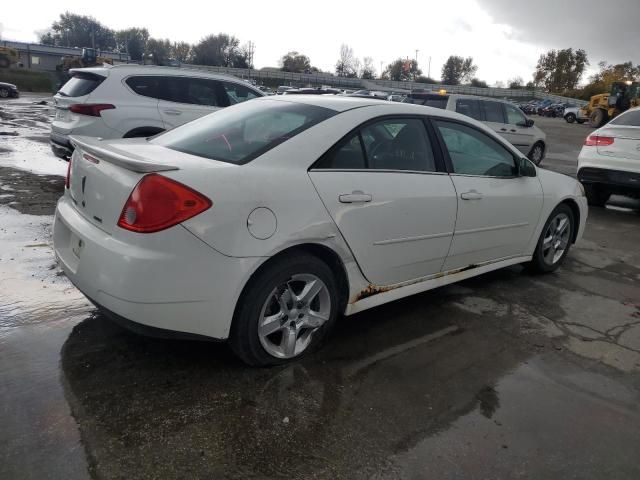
557, 71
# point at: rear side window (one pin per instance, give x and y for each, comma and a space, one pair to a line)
145, 85
493, 112
470, 108
194, 91
629, 119
244, 132
238, 93
81, 84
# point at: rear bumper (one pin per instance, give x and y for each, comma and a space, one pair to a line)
169, 280
60, 145
617, 180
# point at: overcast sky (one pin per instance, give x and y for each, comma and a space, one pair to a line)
505, 37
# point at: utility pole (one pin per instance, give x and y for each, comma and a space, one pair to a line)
417, 55
381, 62
251, 48
429, 70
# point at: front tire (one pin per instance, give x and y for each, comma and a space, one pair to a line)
285, 312
598, 118
596, 195
555, 240
570, 118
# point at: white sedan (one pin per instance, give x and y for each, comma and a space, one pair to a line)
609, 162
262, 222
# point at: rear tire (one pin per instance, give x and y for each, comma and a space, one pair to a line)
598, 118
570, 117
596, 195
555, 240
276, 292
4, 93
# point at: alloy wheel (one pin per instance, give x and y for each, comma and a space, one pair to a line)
556, 239
292, 313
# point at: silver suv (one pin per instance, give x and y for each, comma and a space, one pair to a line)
503, 117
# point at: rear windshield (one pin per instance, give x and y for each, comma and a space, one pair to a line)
629, 119
437, 101
81, 84
243, 132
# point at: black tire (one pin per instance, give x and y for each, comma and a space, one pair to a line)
596, 195
570, 117
581, 121
538, 264
244, 339
536, 155
598, 118
4, 93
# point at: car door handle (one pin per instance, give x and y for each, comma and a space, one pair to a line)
357, 196
514, 130
172, 112
503, 129
471, 195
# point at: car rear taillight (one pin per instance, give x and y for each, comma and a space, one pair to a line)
158, 202
598, 141
91, 109
67, 181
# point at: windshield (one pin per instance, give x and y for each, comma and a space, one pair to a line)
245, 131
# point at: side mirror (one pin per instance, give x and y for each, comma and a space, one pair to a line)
526, 168
527, 123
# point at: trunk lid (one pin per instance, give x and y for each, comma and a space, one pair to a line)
626, 144
102, 177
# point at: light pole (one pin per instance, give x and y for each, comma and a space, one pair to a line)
381, 62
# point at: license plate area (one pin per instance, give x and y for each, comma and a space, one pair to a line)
76, 244
61, 114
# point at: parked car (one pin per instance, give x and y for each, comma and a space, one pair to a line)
262, 222
313, 91
572, 114
138, 101
8, 90
283, 88
609, 162
542, 105
503, 117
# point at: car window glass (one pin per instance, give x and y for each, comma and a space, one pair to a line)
470, 108
398, 144
144, 85
238, 93
81, 84
475, 153
195, 91
348, 155
630, 119
514, 115
493, 112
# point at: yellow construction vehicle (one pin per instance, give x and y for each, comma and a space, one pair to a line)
89, 58
8, 56
605, 106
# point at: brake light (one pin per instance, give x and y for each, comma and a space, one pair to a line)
598, 141
158, 203
67, 181
91, 109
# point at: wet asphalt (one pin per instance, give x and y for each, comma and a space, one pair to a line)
506, 375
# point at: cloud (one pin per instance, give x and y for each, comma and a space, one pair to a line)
608, 31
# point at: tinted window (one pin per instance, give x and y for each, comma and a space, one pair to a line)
436, 101
238, 93
493, 112
397, 144
146, 86
196, 91
514, 115
630, 119
241, 133
80, 84
475, 153
347, 156
470, 108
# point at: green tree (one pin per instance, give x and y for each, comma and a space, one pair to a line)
478, 83
601, 82
158, 51
402, 70
219, 50
134, 41
295, 62
560, 70
423, 79
181, 51
457, 70
515, 83
79, 31
368, 71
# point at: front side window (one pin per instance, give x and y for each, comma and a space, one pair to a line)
241, 133
475, 153
238, 93
493, 112
514, 115
347, 156
470, 108
628, 119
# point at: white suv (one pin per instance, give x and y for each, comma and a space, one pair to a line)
503, 117
138, 101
